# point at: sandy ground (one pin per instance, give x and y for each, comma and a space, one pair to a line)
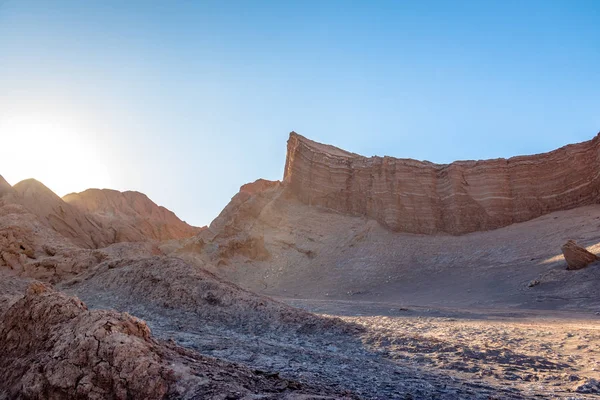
527, 352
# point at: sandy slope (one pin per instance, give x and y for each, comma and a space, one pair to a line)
317, 254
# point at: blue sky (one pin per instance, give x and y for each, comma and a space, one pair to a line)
188, 100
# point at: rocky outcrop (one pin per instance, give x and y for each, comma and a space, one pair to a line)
53, 347
259, 185
577, 257
244, 208
251, 247
457, 198
131, 215
16, 246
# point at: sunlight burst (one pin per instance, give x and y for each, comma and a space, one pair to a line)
52, 149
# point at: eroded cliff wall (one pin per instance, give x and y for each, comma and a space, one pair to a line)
464, 196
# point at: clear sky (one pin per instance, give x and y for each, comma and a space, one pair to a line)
188, 100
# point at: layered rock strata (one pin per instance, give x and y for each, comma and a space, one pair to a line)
423, 197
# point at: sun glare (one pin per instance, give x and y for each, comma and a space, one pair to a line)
52, 149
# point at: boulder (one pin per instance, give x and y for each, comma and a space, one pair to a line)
576, 256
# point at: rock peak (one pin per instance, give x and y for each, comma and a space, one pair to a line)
132, 214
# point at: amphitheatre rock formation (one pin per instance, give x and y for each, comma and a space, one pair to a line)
287, 239
105, 294
457, 198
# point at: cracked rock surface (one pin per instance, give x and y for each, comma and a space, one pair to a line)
53, 347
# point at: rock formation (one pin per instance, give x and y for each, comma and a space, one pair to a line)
259, 185
53, 347
244, 207
16, 246
457, 198
132, 215
94, 218
79, 228
577, 257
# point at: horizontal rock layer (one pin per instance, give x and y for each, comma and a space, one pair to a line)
423, 197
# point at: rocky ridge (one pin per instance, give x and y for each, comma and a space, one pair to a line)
94, 218
132, 215
464, 196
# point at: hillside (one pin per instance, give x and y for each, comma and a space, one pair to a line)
132, 215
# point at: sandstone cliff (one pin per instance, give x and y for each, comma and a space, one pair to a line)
423, 197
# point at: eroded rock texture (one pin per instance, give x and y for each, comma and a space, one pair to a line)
15, 246
165, 284
53, 347
461, 197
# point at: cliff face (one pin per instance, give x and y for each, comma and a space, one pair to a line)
457, 198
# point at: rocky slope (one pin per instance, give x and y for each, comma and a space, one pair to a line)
5, 187
94, 218
78, 227
53, 347
270, 242
464, 196
132, 215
